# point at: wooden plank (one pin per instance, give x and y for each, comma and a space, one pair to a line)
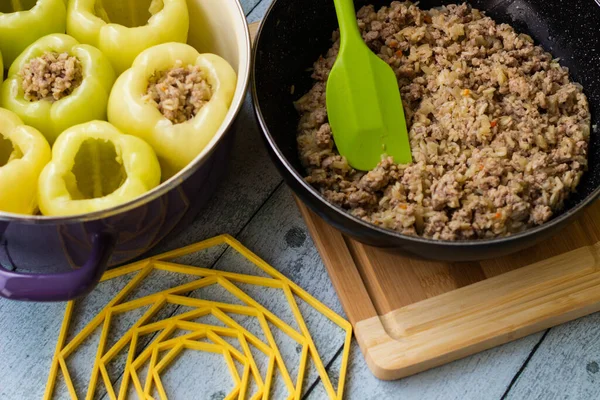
253, 28
391, 281
27, 341
576, 235
566, 365
483, 315
277, 234
259, 11
484, 375
327, 240
29, 330
249, 5
250, 180
431, 313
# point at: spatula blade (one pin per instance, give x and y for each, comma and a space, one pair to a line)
365, 110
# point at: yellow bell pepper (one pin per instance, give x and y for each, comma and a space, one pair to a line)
23, 154
95, 167
86, 103
176, 145
121, 29
28, 22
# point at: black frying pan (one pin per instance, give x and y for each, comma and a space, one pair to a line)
293, 35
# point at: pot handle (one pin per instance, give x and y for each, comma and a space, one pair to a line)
62, 286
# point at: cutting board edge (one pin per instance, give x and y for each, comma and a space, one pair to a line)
391, 358
389, 370
381, 350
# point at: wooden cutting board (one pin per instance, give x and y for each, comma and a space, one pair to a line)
411, 315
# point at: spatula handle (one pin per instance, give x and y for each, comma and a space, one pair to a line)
346, 15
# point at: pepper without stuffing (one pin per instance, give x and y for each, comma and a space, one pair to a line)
95, 167
122, 34
24, 26
23, 154
63, 58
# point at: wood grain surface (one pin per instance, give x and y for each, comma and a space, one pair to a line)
253, 205
412, 315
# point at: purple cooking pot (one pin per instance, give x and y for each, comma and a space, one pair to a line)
66, 257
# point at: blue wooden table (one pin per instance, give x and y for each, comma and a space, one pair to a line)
255, 206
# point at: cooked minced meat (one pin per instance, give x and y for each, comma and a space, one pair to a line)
180, 92
51, 76
499, 134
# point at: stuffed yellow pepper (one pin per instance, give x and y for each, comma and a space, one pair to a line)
23, 154
29, 21
58, 83
175, 99
95, 167
121, 29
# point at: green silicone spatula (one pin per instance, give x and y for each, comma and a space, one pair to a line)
363, 101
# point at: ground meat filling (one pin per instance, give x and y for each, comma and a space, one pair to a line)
499, 134
179, 93
51, 76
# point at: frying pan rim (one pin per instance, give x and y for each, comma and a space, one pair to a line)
562, 217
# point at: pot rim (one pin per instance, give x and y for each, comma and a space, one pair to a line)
365, 225
182, 175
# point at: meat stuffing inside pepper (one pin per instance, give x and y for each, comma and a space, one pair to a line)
51, 76
180, 92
